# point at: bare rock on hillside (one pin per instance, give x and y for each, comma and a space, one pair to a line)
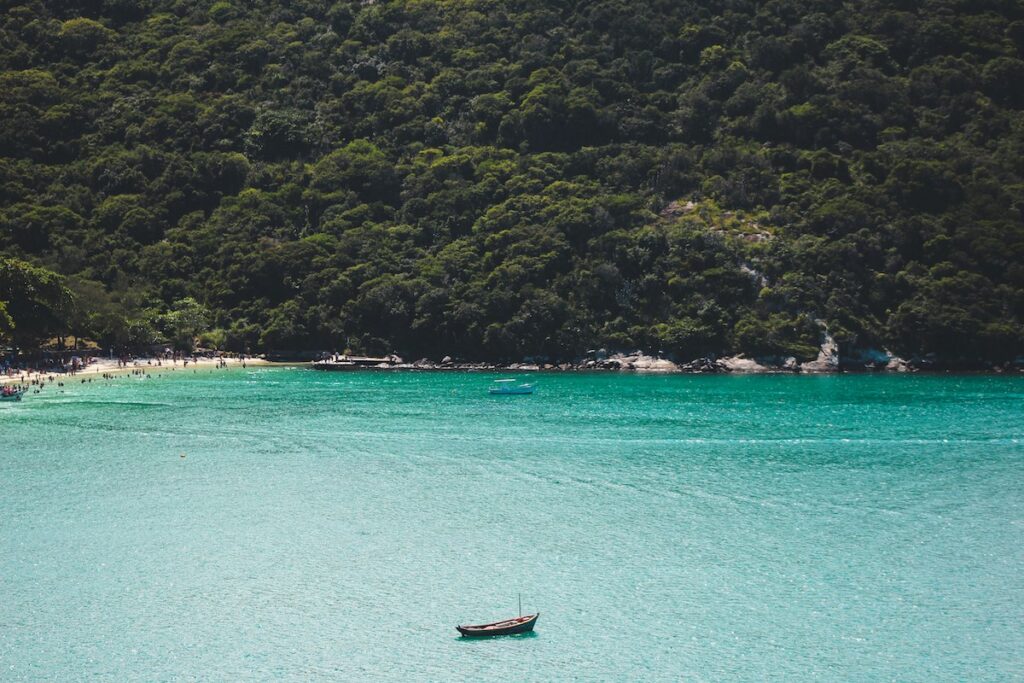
828, 357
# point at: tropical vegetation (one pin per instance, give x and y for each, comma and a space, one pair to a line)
500, 178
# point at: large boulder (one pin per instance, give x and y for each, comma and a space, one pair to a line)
740, 363
653, 364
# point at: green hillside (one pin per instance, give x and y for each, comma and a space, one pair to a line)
494, 179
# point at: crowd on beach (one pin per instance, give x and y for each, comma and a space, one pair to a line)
37, 375
9, 366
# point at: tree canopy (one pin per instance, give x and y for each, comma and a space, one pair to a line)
499, 178
35, 304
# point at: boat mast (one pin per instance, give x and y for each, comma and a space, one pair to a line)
520, 604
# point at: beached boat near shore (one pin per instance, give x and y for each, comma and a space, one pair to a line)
508, 387
356, 362
11, 394
507, 627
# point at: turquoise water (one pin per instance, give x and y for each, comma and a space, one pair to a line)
337, 526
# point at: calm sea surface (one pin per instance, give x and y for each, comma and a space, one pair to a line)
337, 526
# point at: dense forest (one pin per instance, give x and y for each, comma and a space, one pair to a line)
501, 178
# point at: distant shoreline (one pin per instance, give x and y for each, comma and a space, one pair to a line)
645, 366
640, 364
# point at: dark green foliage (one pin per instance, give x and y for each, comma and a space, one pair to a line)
500, 179
6, 323
35, 304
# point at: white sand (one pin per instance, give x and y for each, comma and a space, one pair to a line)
105, 365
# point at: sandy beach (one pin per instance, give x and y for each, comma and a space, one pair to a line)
105, 366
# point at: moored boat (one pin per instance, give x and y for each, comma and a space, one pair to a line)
508, 627
11, 394
508, 387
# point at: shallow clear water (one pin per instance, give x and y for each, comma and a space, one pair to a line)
337, 526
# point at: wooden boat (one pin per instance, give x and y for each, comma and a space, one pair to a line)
508, 627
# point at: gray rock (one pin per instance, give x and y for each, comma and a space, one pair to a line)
828, 357
742, 364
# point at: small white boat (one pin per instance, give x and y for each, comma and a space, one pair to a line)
508, 387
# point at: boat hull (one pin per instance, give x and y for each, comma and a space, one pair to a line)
12, 397
514, 391
490, 630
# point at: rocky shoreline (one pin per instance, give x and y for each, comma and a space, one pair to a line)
829, 361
